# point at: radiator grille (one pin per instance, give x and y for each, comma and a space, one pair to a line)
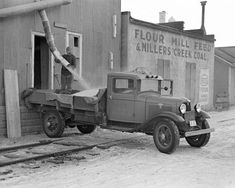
188, 106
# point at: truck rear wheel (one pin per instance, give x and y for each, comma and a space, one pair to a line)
166, 136
53, 124
86, 129
199, 140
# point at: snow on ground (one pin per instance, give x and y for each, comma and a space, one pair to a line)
139, 164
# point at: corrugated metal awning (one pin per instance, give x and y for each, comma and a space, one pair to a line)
226, 54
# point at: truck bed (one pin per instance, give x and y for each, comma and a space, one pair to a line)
87, 100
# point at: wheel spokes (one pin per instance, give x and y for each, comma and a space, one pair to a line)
168, 136
52, 123
164, 136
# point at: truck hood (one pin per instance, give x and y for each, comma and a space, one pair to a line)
153, 96
167, 103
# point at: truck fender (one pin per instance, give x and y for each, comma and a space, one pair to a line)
203, 114
169, 115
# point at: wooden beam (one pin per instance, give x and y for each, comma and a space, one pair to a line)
29, 7
12, 103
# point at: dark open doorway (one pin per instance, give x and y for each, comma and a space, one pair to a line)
41, 63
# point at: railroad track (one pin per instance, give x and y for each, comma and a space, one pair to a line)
46, 149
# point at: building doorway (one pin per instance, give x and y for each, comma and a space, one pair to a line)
41, 63
41, 66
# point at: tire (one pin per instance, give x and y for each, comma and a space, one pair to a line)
166, 136
86, 129
199, 140
53, 124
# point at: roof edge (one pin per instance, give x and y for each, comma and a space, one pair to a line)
167, 28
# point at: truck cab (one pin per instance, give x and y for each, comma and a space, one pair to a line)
129, 95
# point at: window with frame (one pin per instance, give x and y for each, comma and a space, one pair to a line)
123, 85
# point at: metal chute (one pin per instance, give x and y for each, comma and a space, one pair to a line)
55, 52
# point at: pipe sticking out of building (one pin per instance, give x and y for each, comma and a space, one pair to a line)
55, 52
29, 7
203, 3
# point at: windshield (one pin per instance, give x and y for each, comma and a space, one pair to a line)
149, 85
163, 87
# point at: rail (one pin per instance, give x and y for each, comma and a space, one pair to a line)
14, 154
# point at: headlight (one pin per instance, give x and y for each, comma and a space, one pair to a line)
197, 108
182, 108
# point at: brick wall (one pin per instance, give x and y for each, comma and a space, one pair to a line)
30, 121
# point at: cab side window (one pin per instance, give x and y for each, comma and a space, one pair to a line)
122, 85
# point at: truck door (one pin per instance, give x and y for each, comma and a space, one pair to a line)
121, 99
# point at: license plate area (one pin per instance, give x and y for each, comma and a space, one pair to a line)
193, 123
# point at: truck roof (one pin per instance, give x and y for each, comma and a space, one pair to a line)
134, 74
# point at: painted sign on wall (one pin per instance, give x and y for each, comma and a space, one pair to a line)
204, 87
161, 43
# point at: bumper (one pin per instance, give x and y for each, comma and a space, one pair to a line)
187, 130
199, 132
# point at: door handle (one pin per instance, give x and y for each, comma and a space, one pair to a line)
110, 97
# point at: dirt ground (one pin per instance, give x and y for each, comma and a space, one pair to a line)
136, 163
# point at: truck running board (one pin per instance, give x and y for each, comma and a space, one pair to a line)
118, 128
199, 132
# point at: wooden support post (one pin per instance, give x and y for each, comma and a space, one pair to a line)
12, 103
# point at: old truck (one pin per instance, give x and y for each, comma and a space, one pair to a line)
132, 102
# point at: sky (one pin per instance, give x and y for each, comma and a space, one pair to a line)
219, 15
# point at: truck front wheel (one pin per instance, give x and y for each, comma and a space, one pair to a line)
166, 136
86, 129
200, 140
53, 124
